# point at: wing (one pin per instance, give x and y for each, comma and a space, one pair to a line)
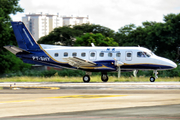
78, 62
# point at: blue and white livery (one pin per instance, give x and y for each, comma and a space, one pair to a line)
89, 59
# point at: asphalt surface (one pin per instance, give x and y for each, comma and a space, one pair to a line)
166, 112
101, 101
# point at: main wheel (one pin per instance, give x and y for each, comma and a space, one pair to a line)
152, 79
104, 77
86, 78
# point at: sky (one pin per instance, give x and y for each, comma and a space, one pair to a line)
113, 14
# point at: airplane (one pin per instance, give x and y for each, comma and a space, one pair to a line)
90, 59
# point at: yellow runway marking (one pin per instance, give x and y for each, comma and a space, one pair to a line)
87, 96
19, 87
16, 101
70, 96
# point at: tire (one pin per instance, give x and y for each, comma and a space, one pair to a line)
152, 79
86, 78
104, 77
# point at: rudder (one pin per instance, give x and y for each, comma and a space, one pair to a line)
24, 37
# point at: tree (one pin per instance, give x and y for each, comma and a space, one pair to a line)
98, 39
7, 37
166, 37
67, 34
123, 35
93, 28
161, 38
7, 7
172, 25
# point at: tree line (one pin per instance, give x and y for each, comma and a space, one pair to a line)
8, 61
162, 38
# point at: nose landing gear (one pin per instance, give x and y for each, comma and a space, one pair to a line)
152, 79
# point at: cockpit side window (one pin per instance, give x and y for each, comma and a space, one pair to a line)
148, 55
143, 54
140, 54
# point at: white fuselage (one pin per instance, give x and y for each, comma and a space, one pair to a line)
126, 55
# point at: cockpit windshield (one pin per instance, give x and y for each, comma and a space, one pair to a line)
144, 54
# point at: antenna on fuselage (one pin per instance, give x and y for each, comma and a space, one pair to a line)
92, 44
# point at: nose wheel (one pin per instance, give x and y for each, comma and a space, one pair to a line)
152, 79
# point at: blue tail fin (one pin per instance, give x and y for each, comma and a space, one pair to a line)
23, 37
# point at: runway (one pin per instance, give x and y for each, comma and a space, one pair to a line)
20, 101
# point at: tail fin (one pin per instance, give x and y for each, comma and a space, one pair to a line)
23, 37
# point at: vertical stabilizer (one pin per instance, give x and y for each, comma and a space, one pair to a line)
23, 37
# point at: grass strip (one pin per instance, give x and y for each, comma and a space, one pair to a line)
79, 79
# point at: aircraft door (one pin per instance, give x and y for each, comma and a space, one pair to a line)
92, 55
128, 55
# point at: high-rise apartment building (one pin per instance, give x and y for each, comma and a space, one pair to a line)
40, 24
75, 20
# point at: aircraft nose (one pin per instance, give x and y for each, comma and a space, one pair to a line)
171, 63
174, 65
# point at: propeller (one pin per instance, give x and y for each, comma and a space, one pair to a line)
135, 73
119, 72
118, 64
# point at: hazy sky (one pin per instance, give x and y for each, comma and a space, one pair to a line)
110, 13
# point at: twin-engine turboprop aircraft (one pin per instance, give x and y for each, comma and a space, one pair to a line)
89, 59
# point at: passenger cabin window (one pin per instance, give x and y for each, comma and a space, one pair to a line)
83, 54
92, 54
65, 54
110, 54
56, 54
118, 54
128, 54
74, 54
101, 54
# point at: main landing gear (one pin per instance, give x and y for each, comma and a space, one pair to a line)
152, 79
104, 77
86, 78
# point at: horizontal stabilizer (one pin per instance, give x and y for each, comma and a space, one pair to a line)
15, 49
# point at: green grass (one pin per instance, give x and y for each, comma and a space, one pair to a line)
79, 79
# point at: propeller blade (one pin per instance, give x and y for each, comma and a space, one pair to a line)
119, 72
135, 73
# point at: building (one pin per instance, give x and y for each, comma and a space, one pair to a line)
40, 24
75, 20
